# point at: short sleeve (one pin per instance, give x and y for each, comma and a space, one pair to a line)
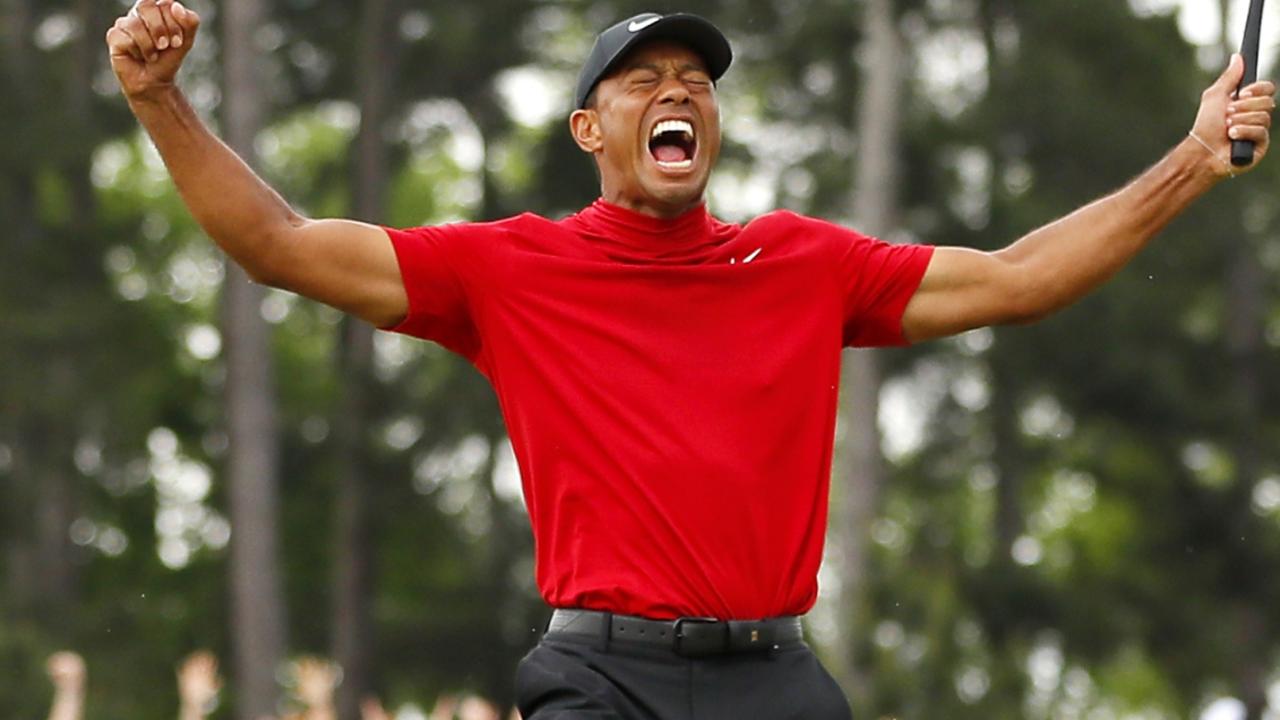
431, 260
878, 280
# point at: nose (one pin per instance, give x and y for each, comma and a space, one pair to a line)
673, 92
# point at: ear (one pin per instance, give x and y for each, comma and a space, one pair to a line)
585, 127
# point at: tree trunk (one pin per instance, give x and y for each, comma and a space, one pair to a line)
1008, 678
16, 30
55, 501
87, 51
1245, 310
46, 494
257, 604
874, 207
15, 33
1005, 427
1007, 458
352, 629
1244, 323
16, 206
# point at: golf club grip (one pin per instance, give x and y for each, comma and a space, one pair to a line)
1242, 150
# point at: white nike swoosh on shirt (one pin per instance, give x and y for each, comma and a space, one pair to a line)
638, 25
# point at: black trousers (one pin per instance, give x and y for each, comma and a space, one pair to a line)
573, 677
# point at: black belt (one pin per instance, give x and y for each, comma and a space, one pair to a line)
686, 636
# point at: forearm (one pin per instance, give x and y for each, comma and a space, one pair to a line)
242, 214
67, 706
190, 712
1064, 260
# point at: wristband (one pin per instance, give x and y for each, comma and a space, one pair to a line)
1227, 165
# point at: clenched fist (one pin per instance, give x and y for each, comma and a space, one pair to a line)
1225, 115
198, 681
149, 44
66, 670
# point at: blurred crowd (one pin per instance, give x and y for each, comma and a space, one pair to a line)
199, 684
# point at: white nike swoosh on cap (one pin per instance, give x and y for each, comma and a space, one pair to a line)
638, 25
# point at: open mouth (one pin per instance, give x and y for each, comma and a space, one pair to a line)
673, 145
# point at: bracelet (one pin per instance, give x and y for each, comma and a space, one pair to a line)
1230, 172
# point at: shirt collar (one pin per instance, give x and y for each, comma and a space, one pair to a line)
630, 236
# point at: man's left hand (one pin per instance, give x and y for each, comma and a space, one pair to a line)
1224, 117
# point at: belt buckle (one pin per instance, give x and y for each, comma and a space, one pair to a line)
679, 636
747, 635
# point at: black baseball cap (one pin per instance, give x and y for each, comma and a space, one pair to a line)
697, 33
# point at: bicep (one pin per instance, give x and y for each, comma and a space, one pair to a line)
349, 265
964, 289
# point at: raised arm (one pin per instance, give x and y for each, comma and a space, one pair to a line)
198, 685
317, 681
67, 672
346, 264
1061, 262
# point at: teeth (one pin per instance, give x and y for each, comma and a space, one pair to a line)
680, 126
682, 165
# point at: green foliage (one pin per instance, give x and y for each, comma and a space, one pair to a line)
1147, 504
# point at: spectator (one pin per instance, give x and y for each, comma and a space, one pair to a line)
67, 672
371, 709
316, 681
446, 707
198, 685
477, 708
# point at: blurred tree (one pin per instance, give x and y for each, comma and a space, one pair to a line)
1243, 324
1083, 524
42, 572
352, 627
1041, 435
253, 462
83, 375
874, 204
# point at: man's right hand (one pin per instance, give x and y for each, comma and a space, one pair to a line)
349, 265
149, 44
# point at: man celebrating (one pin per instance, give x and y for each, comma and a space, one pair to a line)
668, 380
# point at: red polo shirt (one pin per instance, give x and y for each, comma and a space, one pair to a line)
669, 387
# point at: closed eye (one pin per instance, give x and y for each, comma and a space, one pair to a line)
642, 78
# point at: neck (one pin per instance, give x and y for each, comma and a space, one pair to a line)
652, 207
649, 216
